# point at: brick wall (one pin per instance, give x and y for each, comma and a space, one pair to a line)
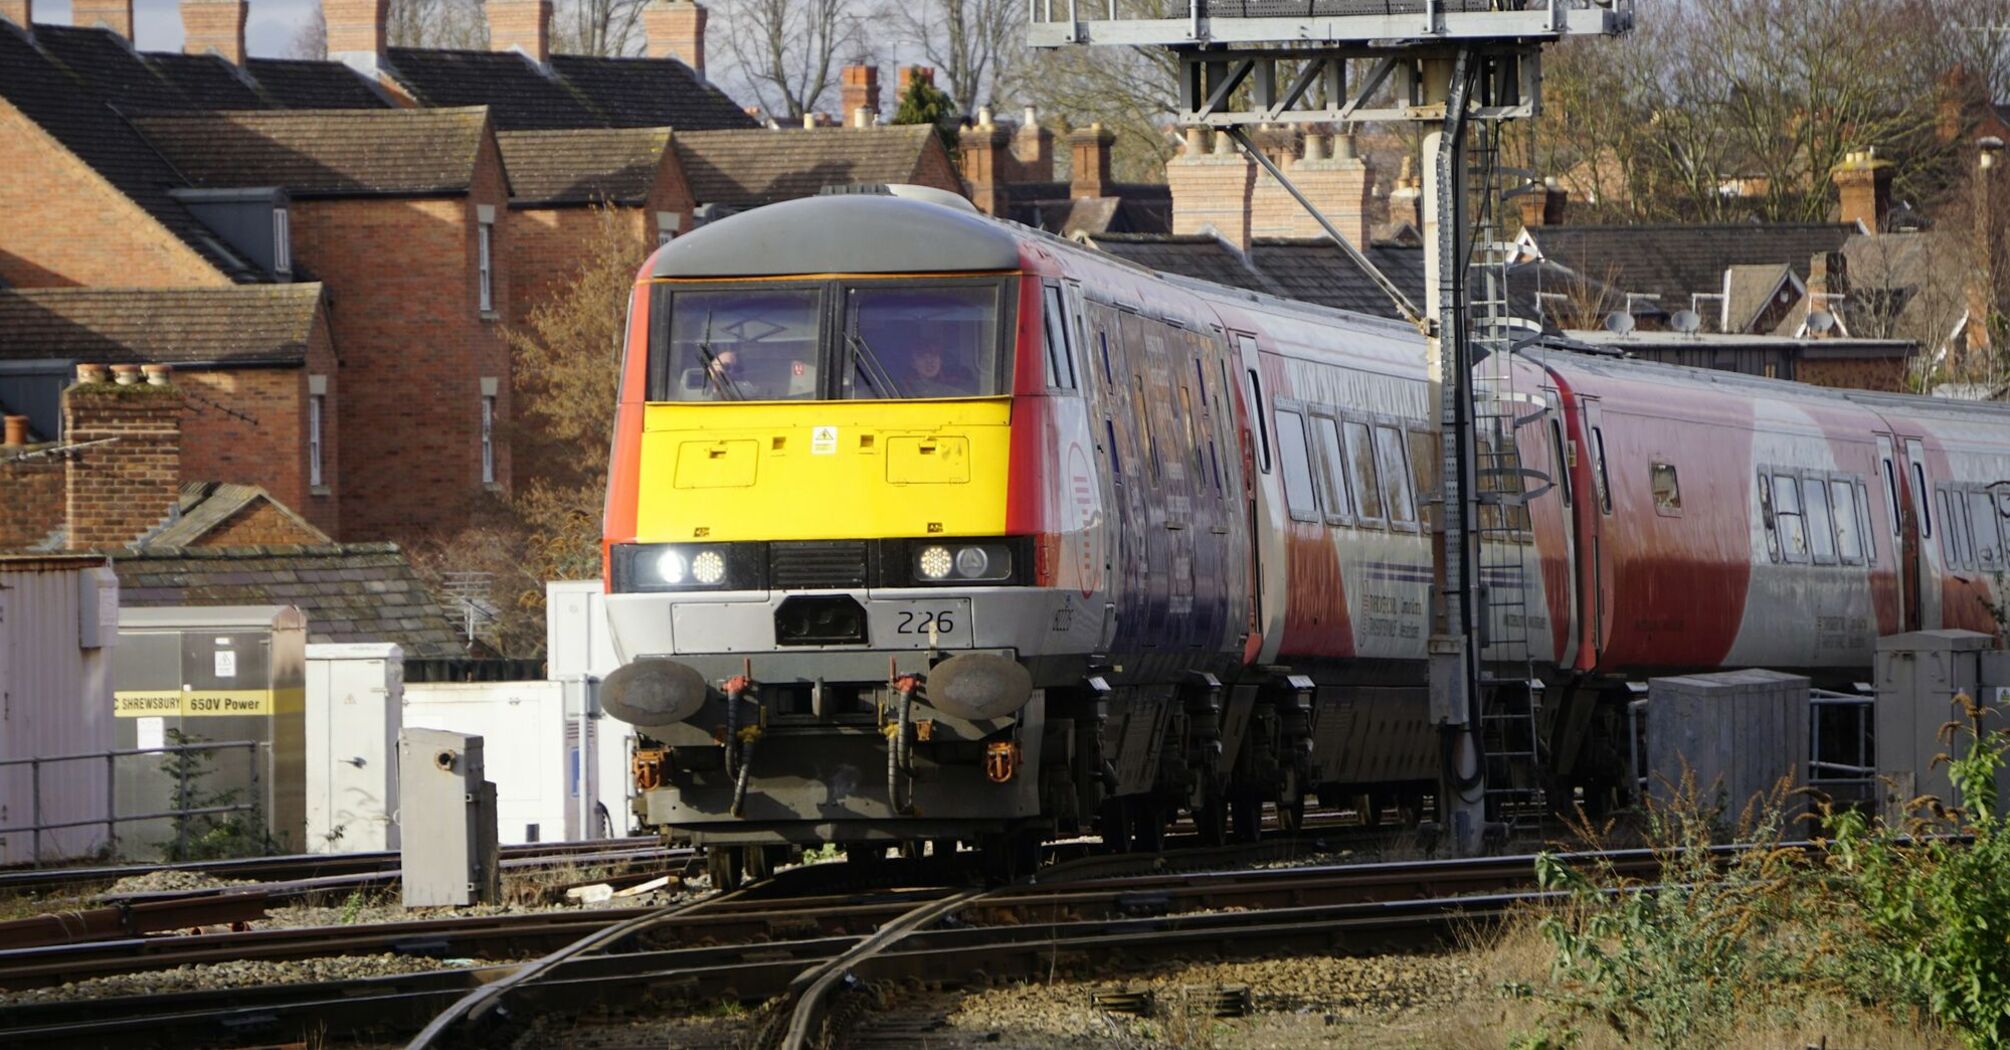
118, 491
403, 286
64, 225
1853, 373
33, 507
260, 524
1211, 191
937, 170
1225, 191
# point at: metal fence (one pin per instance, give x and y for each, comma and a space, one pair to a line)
258, 756
1078, 10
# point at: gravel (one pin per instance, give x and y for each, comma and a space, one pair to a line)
238, 974
169, 881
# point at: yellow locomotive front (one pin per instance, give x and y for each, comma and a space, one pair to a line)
814, 575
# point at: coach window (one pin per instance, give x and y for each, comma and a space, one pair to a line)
1262, 425
1295, 458
1950, 531
1333, 472
1821, 525
1598, 470
1667, 488
1849, 542
1787, 514
1768, 517
1060, 349
1395, 464
1982, 522
1955, 525
1361, 472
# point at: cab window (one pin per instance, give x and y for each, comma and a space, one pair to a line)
921, 342
740, 345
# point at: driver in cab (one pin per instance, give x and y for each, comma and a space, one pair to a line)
931, 374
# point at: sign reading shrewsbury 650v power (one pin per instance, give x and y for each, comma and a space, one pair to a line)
203, 703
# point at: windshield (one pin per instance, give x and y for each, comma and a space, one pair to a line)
922, 342
941, 339
742, 345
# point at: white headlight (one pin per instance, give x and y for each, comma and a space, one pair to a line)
972, 562
934, 563
670, 567
708, 568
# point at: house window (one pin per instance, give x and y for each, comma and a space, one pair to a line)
488, 439
282, 242
484, 234
316, 406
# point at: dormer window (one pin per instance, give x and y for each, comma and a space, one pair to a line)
282, 242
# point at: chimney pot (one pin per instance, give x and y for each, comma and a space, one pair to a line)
1315, 146
520, 25
156, 374
115, 15
1196, 140
1346, 147
676, 29
126, 375
17, 431
809, 121
91, 372
984, 117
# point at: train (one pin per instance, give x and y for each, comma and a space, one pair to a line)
926, 528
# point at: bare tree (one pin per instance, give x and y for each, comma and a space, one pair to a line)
460, 24
1133, 92
972, 44
598, 27
786, 51
311, 39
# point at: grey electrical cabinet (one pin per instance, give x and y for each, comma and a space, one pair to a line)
1737, 735
1920, 678
447, 818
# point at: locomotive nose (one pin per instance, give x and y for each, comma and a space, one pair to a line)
653, 692
979, 686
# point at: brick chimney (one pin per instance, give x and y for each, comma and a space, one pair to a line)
985, 162
1032, 150
859, 89
1089, 149
1332, 176
115, 15
1864, 182
19, 12
214, 25
1211, 191
116, 492
520, 25
357, 32
1543, 205
676, 29
1406, 197
910, 74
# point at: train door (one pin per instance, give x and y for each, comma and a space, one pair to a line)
1919, 546
1267, 536
1558, 463
1903, 538
1598, 588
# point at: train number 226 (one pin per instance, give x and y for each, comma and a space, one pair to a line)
918, 621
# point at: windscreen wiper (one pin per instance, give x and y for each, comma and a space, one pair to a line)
713, 369
866, 364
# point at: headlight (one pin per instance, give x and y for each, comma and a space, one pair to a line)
689, 566
955, 562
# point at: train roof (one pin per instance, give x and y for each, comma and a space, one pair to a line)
842, 234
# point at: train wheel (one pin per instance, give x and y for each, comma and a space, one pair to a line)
723, 864
1291, 815
1246, 810
758, 862
1116, 825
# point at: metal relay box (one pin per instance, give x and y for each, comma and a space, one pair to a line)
447, 818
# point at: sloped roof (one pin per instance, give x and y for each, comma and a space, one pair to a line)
67, 104
1914, 283
650, 93
245, 325
206, 505
579, 166
209, 81
519, 94
749, 168
1748, 292
1675, 262
1130, 208
333, 152
1203, 256
1316, 270
351, 592
297, 83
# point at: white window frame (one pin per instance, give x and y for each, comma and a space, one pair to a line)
282, 242
484, 242
488, 439
316, 411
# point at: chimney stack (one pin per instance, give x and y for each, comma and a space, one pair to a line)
17, 431
1089, 149
1211, 190
214, 25
676, 29
116, 492
1864, 182
910, 74
860, 90
523, 26
357, 32
1543, 205
19, 12
982, 149
115, 15
1032, 150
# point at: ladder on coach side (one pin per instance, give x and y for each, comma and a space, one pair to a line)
1511, 700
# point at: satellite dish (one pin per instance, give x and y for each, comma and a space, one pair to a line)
1687, 322
1820, 321
1619, 322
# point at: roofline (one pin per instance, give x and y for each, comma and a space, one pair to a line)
518, 204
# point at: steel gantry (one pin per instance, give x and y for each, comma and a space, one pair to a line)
1457, 69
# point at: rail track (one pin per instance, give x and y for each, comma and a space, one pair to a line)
788, 941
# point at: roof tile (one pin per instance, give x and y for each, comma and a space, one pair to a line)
264, 324
335, 152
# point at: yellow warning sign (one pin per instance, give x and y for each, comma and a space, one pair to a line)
204, 703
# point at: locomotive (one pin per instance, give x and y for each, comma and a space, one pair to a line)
928, 527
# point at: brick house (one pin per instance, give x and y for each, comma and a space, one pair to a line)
256, 364
398, 212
